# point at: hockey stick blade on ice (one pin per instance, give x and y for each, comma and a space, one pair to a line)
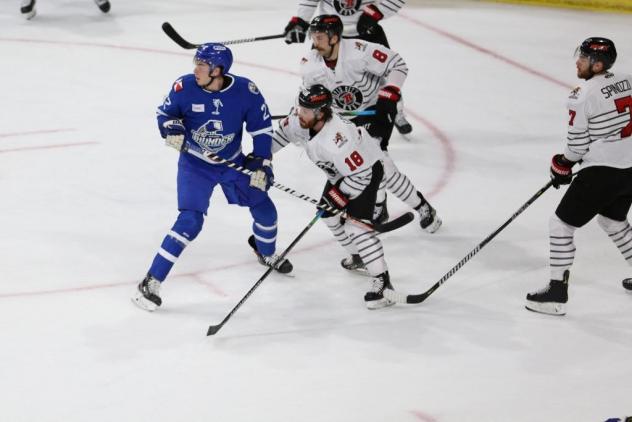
177, 38
213, 329
412, 299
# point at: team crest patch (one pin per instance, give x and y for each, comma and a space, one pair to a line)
360, 46
575, 93
348, 98
210, 136
177, 85
347, 7
253, 88
339, 140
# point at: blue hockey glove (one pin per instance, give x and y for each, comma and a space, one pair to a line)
262, 176
173, 131
561, 170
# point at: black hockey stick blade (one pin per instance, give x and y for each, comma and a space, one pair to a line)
213, 329
177, 38
395, 223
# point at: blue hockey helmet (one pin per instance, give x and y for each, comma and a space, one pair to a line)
215, 54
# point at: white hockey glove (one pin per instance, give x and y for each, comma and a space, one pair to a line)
261, 177
174, 131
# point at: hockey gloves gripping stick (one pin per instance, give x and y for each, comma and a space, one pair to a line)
261, 176
418, 298
368, 20
561, 170
295, 31
173, 131
177, 38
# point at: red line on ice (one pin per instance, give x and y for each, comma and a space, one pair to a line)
76, 144
483, 50
423, 416
34, 132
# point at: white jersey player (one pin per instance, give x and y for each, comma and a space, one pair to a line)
600, 139
358, 20
365, 76
351, 159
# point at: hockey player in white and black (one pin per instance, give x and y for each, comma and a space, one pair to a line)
600, 141
361, 20
365, 76
352, 161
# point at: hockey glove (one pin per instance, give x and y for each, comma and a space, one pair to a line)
368, 20
334, 198
385, 111
261, 177
295, 31
174, 133
561, 170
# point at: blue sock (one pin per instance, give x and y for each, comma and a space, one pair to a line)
186, 228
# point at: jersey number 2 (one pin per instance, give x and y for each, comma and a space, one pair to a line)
354, 158
623, 104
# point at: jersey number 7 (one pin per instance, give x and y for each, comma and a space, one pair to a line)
623, 104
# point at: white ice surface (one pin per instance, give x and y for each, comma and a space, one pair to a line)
88, 192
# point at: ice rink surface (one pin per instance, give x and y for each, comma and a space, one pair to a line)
88, 192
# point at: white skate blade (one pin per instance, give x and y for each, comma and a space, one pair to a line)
550, 308
143, 303
379, 304
434, 226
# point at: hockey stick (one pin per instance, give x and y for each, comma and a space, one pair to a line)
344, 114
213, 329
391, 225
403, 298
177, 38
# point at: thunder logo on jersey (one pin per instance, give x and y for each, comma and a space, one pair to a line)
210, 137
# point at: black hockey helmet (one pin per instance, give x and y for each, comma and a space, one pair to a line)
330, 24
315, 97
599, 49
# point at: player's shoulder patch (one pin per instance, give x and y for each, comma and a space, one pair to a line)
253, 88
303, 60
178, 85
575, 93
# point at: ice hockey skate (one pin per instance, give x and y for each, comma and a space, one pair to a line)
374, 298
28, 9
283, 266
354, 263
428, 219
147, 295
552, 299
381, 213
104, 5
401, 123
627, 284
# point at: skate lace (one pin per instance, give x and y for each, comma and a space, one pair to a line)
377, 285
273, 260
153, 286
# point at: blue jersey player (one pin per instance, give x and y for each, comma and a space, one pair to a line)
205, 112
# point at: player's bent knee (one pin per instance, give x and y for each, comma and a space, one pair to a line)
189, 224
264, 212
609, 225
557, 227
